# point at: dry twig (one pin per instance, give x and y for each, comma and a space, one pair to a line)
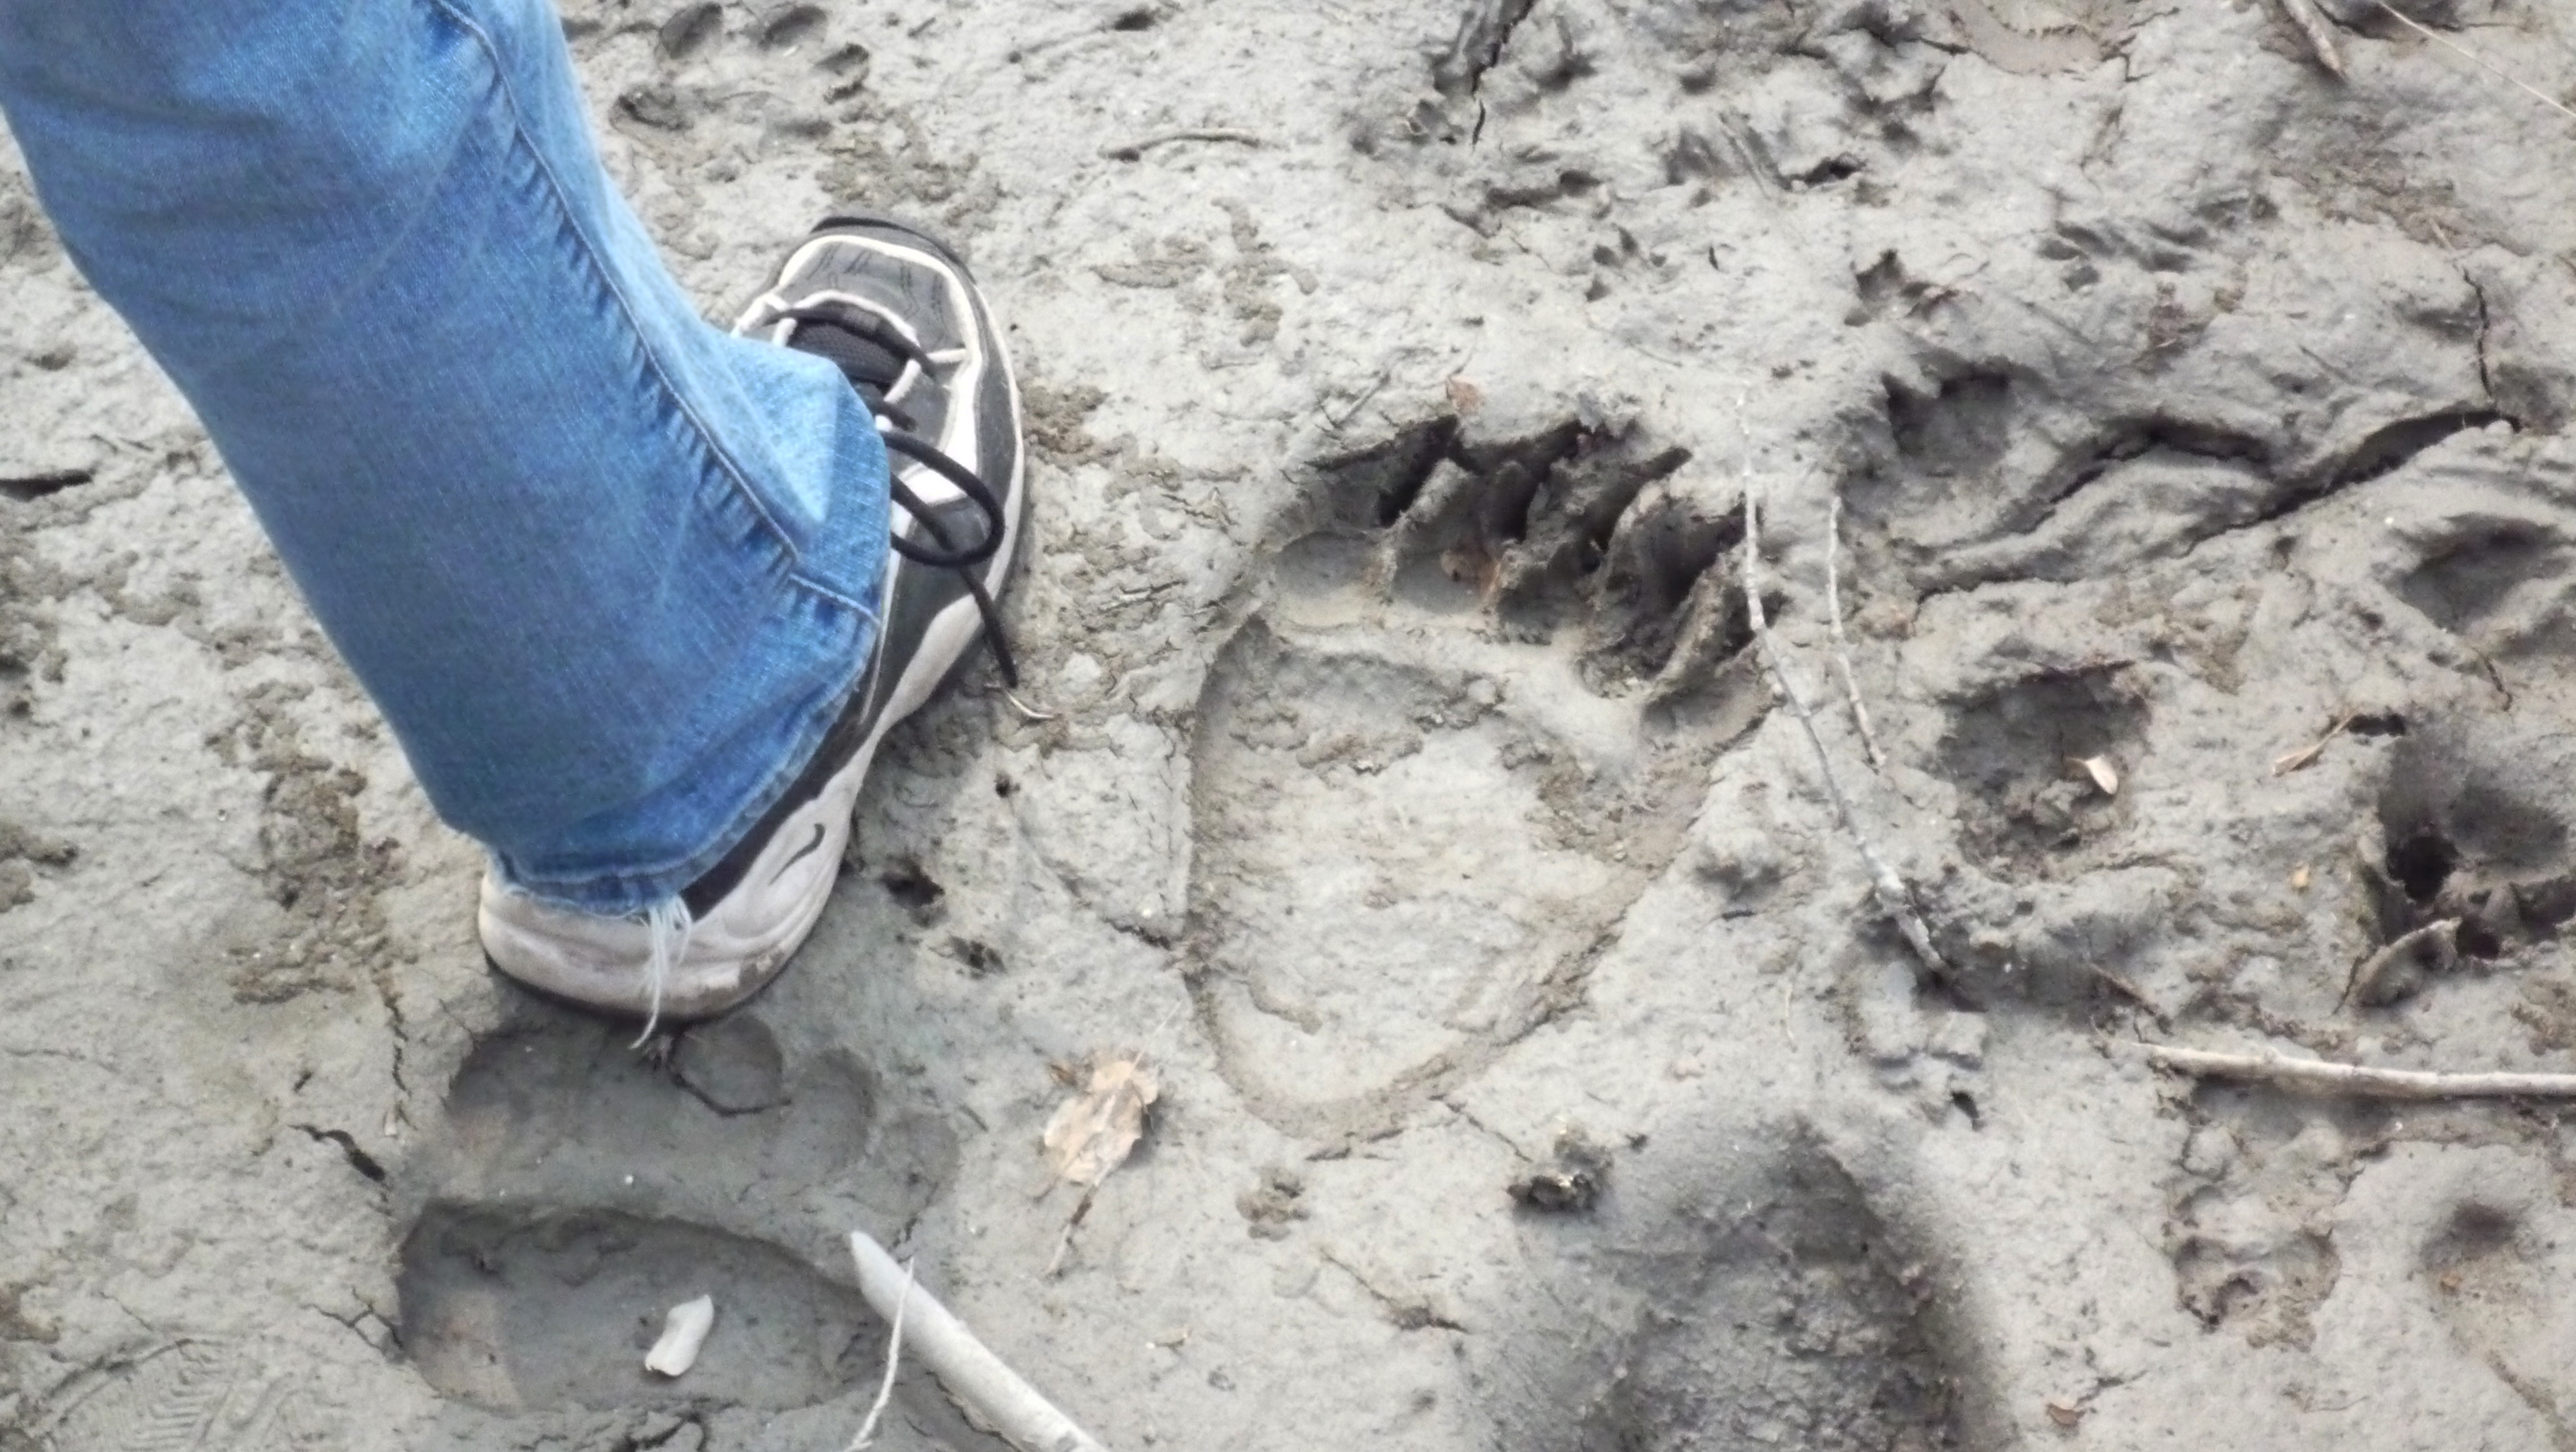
894, 1358
973, 1375
1136, 149
2306, 756
2444, 935
2273, 1067
1842, 645
2481, 62
2312, 23
1888, 888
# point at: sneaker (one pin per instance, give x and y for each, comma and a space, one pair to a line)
896, 310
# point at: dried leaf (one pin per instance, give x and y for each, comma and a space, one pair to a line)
2104, 774
1093, 1132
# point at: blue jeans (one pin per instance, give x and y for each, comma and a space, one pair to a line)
608, 571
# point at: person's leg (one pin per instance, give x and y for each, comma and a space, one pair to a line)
609, 571
625, 585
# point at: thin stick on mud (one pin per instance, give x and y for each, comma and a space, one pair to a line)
894, 1358
2365, 979
2272, 1067
1888, 888
1136, 149
2306, 756
1842, 644
2481, 62
973, 1375
2320, 35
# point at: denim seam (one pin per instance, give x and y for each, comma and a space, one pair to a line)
703, 436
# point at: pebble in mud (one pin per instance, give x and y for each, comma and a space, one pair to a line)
733, 1064
1569, 1186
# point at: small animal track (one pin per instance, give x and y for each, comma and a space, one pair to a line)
2486, 556
1495, 670
2247, 1228
580, 1190
2469, 830
2502, 583
2496, 1280
1991, 461
2014, 752
2463, 1234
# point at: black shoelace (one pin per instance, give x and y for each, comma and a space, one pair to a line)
872, 356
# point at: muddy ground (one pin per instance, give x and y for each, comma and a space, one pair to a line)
1413, 796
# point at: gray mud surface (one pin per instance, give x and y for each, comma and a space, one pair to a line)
1538, 1072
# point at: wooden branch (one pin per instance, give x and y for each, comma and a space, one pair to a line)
1894, 899
2481, 62
1136, 149
971, 1372
2307, 755
2273, 1067
2313, 24
1842, 644
2365, 979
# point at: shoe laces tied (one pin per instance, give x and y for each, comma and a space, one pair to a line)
883, 364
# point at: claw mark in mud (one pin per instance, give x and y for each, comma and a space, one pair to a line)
1998, 461
28, 488
790, 25
2392, 447
1483, 31
690, 27
2035, 493
1492, 672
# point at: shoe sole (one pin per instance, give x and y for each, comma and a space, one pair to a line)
589, 962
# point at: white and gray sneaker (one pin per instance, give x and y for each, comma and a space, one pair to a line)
896, 310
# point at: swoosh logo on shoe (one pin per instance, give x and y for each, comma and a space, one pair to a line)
801, 853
